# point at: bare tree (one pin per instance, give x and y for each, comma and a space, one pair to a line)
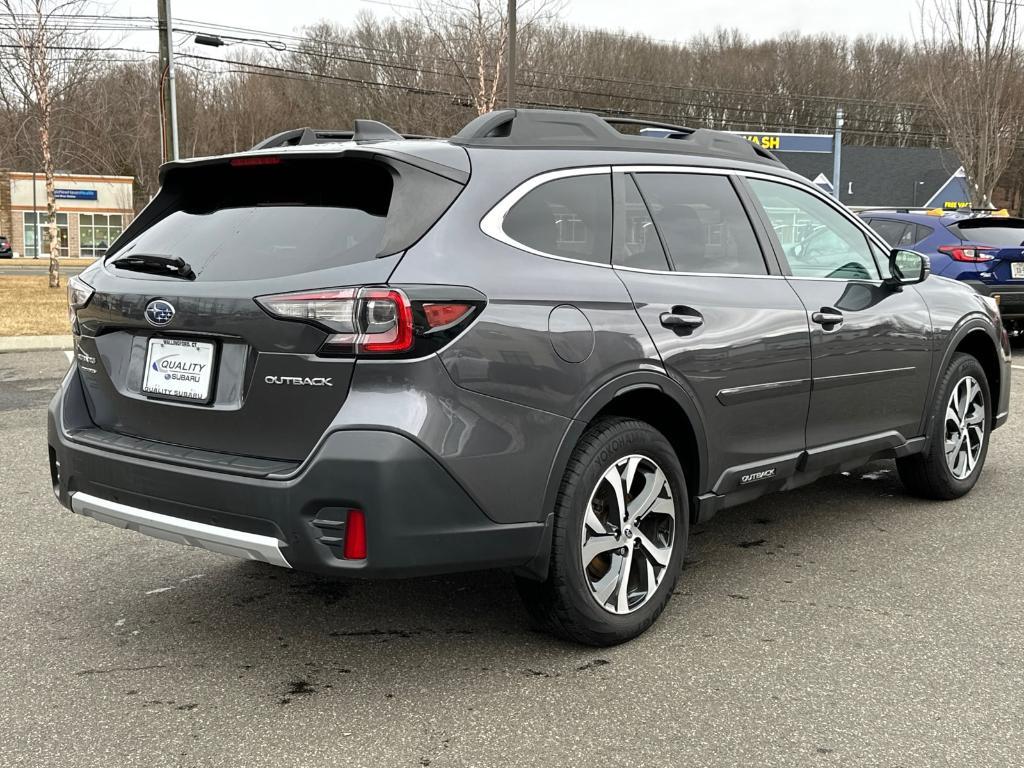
473, 36
974, 79
44, 55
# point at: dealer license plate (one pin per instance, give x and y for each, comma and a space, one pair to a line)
179, 369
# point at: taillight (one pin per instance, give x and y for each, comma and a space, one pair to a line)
969, 253
407, 321
79, 294
360, 320
387, 321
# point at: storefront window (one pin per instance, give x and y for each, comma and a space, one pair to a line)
97, 231
37, 230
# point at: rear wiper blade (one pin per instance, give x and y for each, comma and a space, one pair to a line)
157, 265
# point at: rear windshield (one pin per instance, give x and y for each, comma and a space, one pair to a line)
1001, 233
255, 222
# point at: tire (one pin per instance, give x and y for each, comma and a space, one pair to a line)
930, 474
569, 603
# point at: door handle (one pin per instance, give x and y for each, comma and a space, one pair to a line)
681, 321
827, 316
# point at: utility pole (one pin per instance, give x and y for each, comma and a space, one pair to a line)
510, 76
837, 153
170, 106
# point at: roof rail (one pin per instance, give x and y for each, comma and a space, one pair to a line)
365, 131
554, 128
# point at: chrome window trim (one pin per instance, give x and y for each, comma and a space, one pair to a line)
492, 224
698, 274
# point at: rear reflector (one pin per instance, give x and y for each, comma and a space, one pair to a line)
440, 315
355, 535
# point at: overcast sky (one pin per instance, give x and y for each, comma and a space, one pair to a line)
661, 19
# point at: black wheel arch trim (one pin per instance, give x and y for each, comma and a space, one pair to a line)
967, 325
603, 396
655, 380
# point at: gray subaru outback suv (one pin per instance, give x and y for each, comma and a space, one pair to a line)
542, 345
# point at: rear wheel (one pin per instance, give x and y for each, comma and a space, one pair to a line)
958, 442
621, 524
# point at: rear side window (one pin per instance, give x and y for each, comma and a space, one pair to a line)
999, 233
638, 244
702, 223
922, 232
569, 217
895, 233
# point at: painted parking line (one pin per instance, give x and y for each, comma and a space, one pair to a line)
69, 355
1018, 367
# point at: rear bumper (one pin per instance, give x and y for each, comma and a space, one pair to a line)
419, 520
1009, 295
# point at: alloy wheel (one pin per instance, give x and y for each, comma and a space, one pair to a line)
628, 534
965, 427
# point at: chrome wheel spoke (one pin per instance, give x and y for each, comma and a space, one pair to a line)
622, 590
614, 479
664, 507
951, 415
654, 484
975, 417
593, 523
598, 545
652, 580
630, 474
660, 555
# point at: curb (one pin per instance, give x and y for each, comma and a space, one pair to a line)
34, 343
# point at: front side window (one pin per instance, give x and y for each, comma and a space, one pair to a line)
569, 217
702, 223
817, 240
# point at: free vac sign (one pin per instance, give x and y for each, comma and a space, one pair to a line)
790, 142
75, 194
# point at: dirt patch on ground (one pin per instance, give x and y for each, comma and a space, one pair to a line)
29, 307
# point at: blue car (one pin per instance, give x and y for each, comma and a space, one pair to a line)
984, 250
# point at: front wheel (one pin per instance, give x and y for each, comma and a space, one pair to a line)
621, 524
961, 422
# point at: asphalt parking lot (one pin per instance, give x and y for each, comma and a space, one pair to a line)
841, 624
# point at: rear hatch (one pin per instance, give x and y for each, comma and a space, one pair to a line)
174, 348
998, 243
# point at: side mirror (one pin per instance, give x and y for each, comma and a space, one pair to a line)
907, 268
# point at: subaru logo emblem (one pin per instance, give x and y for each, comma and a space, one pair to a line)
159, 312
